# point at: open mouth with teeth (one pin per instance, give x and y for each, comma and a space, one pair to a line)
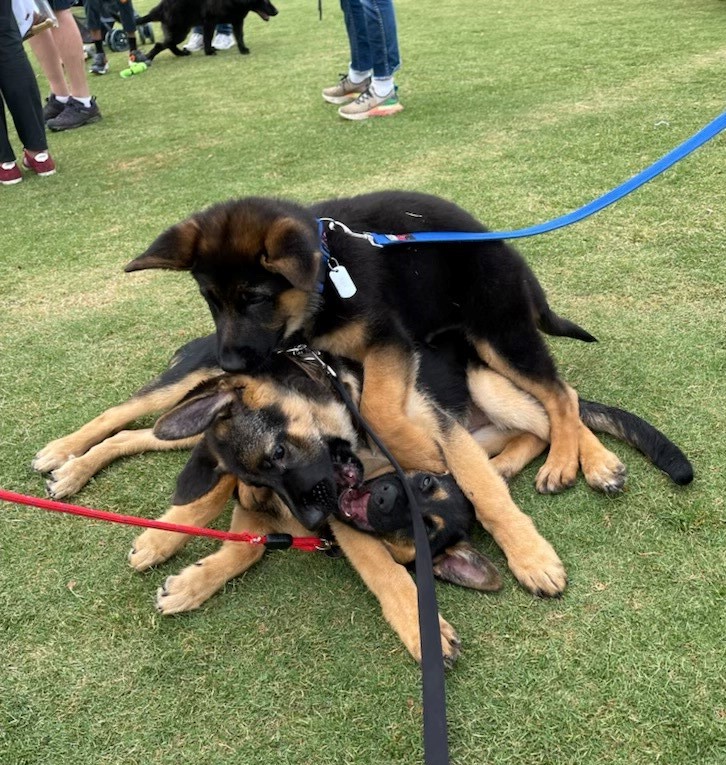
353, 506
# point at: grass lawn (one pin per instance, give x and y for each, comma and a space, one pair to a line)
519, 112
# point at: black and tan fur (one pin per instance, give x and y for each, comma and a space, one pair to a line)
244, 418
259, 265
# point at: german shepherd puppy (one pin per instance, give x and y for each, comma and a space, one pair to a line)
281, 431
177, 17
259, 264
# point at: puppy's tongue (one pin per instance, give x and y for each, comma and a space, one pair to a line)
353, 504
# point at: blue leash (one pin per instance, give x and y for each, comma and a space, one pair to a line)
688, 146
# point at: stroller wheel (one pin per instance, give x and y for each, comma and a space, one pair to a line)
116, 40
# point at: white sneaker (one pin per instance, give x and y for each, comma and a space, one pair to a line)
195, 42
223, 41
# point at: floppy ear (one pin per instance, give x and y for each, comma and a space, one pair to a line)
465, 566
291, 252
193, 416
174, 249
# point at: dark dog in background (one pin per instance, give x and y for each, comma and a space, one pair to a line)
177, 17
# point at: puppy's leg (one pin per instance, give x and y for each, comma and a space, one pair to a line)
198, 582
146, 401
388, 382
207, 35
509, 407
154, 546
238, 31
394, 588
76, 472
530, 557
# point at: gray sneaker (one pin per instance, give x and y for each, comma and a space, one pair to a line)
75, 115
368, 104
52, 108
100, 64
345, 90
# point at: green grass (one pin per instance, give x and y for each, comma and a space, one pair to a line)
519, 112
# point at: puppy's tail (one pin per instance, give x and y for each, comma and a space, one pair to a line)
153, 15
634, 430
552, 324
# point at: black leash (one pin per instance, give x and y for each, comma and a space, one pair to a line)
435, 734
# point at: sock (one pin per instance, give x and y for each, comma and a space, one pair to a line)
132, 42
85, 101
62, 99
382, 86
356, 77
99, 45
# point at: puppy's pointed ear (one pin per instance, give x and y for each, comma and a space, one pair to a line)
292, 251
465, 566
175, 249
195, 415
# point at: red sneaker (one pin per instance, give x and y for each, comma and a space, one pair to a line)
10, 173
41, 164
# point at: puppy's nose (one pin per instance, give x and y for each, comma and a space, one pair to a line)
232, 361
385, 497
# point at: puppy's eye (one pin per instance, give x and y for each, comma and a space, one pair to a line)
279, 453
427, 483
256, 298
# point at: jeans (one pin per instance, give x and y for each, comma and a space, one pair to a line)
371, 27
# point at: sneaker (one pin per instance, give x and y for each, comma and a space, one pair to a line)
53, 107
195, 42
41, 164
10, 173
138, 57
223, 41
75, 115
345, 90
368, 104
100, 64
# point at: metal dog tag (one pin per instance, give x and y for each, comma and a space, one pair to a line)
341, 280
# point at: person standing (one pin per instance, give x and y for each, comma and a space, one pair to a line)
19, 90
60, 54
368, 88
127, 14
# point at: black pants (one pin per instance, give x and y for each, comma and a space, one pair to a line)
18, 89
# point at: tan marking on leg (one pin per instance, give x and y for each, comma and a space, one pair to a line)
74, 474
387, 387
517, 454
602, 469
113, 419
560, 403
393, 587
530, 557
197, 583
154, 546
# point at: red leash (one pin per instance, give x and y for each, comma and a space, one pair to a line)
271, 541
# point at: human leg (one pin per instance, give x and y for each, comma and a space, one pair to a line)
70, 47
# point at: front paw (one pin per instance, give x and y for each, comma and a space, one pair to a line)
210, 52
51, 456
540, 570
450, 643
154, 547
244, 50
67, 479
555, 476
608, 474
185, 591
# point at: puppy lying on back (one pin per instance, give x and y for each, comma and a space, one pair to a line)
283, 445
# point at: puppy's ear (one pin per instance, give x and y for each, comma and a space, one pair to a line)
290, 250
465, 566
194, 416
175, 249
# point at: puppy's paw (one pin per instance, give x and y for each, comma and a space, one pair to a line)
244, 51
52, 456
67, 479
606, 474
555, 476
450, 643
154, 547
540, 570
185, 591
